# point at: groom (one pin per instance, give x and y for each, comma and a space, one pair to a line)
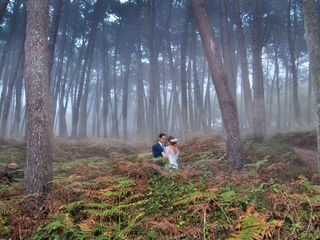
158, 148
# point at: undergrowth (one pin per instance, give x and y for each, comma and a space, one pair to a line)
126, 196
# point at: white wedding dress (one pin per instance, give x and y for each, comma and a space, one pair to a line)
173, 157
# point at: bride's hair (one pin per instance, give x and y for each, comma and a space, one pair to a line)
172, 140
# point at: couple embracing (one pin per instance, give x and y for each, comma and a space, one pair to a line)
166, 148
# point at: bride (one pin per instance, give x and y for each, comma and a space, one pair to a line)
172, 152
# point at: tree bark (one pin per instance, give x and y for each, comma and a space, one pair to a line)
53, 35
184, 100
125, 96
38, 173
244, 66
227, 105
292, 57
311, 25
226, 49
105, 87
259, 112
140, 93
152, 91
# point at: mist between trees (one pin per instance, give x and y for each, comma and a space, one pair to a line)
135, 68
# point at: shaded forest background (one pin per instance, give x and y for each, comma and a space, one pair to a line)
123, 69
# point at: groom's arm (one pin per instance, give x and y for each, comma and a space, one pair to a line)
155, 151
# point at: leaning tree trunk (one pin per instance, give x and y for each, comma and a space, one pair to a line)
311, 25
227, 105
38, 173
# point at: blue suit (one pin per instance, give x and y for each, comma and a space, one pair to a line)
157, 150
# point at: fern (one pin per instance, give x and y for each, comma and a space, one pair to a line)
254, 226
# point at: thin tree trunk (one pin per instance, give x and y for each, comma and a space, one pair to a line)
17, 112
226, 49
190, 101
8, 98
291, 42
106, 87
184, 100
152, 90
259, 114
53, 35
125, 96
38, 173
227, 105
276, 60
198, 98
140, 93
244, 66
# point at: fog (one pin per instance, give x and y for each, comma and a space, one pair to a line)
128, 69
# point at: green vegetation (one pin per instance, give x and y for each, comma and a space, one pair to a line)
125, 196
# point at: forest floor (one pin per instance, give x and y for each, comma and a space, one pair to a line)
115, 190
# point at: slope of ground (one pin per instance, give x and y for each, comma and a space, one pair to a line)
115, 190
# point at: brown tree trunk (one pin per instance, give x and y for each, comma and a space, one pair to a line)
259, 112
125, 96
8, 98
276, 59
152, 89
309, 117
198, 97
53, 35
226, 49
17, 112
184, 100
312, 29
38, 173
106, 87
244, 66
140, 93
227, 105
292, 57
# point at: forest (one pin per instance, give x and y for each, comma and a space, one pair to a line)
231, 86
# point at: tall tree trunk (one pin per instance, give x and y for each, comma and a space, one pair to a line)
259, 113
309, 117
125, 96
6, 48
152, 88
226, 49
198, 97
227, 105
184, 100
115, 120
17, 112
140, 93
292, 57
106, 87
38, 173
311, 25
176, 113
190, 102
7, 101
53, 35
244, 66
278, 88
